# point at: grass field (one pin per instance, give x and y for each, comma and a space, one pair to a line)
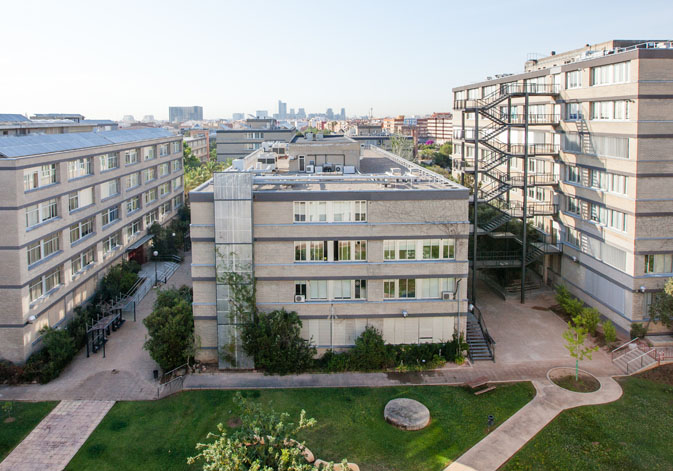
27, 415
631, 434
160, 435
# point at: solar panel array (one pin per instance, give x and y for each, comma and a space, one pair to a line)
35, 144
12, 118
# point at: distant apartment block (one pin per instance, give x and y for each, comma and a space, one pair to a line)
238, 116
237, 143
344, 237
199, 142
72, 206
580, 146
180, 114
439, 127
19, 125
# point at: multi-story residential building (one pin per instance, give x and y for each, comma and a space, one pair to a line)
372, 240
393, 125
237, 143
439, 127
19, 125
180, 114
579, 144
73, 205
199, 142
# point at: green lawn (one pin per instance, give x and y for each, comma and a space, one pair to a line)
633, 433
27, 415
160, 435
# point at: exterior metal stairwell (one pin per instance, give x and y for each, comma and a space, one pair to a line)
481, 344
496, 222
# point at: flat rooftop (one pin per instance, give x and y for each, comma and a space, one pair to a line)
328, 139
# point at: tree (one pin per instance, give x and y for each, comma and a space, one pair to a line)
201, 173
370, 352
190, 160
575, 337
274, 340
402, 146
170, 329
265, 441
661, 309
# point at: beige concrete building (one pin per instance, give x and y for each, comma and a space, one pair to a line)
581, 144
439, 127
199, 145
73, 205
237, 143
371, 240
19, 125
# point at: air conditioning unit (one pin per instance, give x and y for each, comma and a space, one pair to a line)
299, 298
447, 295
318, 169
310, 169
339, 168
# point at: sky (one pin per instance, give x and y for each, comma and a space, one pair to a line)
110, 59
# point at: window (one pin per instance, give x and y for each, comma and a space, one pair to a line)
572, 237
80, 168
572, 205
610, 146
659, 263
177, 183
254, 135
611, 73
300, 251
109, 161
132, 205
177, 201
164, 209
341, 289
149, 174
573, 174
132, 180
574, 79
43, 248
616, 220
610, 110
177, 147
573, 111
317, 211
617, 183
164, 189
473, 94
318, 250
388, 289
41, 212
131, 156
406, 250
43, 285
177, 165
148, 153
572, 142
597, 213
360, 250
341, 211
163, 150
110, 215
80, 199
317, 289
598, 179
300, 288
431, 249
151, 217
344, 250
360, 211
81, 261
432, 288
449, 248
39, 176
360, 289
81, 230
110, 244
407, 288
299, 211
109, 189
389, 250
252, 146
133, 229
164, 169
150, 196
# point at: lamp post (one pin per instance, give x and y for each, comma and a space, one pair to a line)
156, 281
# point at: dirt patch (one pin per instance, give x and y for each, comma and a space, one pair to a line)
9, 420
234, 422
662, 374
565, 378
540, 308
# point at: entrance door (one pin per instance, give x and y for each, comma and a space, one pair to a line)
137, 255
301, 163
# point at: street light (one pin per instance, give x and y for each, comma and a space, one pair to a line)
156, 281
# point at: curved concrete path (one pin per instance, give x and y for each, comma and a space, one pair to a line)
501, 444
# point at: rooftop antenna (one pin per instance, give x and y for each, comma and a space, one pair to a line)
371, 113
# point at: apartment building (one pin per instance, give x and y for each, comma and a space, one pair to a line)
237, 143
73, 205
439, 127
393, 125
346, 239
199, 142
580, 145
180, 114
18, 125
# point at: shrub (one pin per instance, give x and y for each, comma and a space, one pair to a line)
57, 351
638, 330
171, 329
588, 318
609, 331
274, 341
10, 373
370, 352
119, 280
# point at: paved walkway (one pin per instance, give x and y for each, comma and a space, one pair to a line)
501, 444
55, 440
126, 372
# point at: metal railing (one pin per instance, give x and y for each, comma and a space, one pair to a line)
651, 353
622, 346
490, 342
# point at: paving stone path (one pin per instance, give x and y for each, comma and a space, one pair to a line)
55, 440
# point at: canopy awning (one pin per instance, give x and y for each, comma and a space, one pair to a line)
139, 242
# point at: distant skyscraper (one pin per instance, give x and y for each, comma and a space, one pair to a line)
292, 115
238, 116
282, 110
179, 114
301, 113
262, 113
343, 113
330, 113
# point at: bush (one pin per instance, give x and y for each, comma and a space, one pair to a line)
638, 330
588, 318
274, 341
57, 351
370, 352
171, 329
119, 280
570, 304
609, 331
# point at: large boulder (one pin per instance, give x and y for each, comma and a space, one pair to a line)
406, 414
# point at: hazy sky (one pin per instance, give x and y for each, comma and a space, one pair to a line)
105, 59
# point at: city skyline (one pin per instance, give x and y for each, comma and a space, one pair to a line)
97, 81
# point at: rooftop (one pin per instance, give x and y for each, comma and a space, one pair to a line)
36, 144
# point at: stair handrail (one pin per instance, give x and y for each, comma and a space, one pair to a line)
612, 353
640, 357
490, 342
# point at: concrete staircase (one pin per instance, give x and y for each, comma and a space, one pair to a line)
478, 347
632, 360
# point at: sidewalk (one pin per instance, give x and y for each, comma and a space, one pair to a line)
501, 444
52, 444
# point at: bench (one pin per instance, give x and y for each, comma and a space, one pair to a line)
482, 391
478, 382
